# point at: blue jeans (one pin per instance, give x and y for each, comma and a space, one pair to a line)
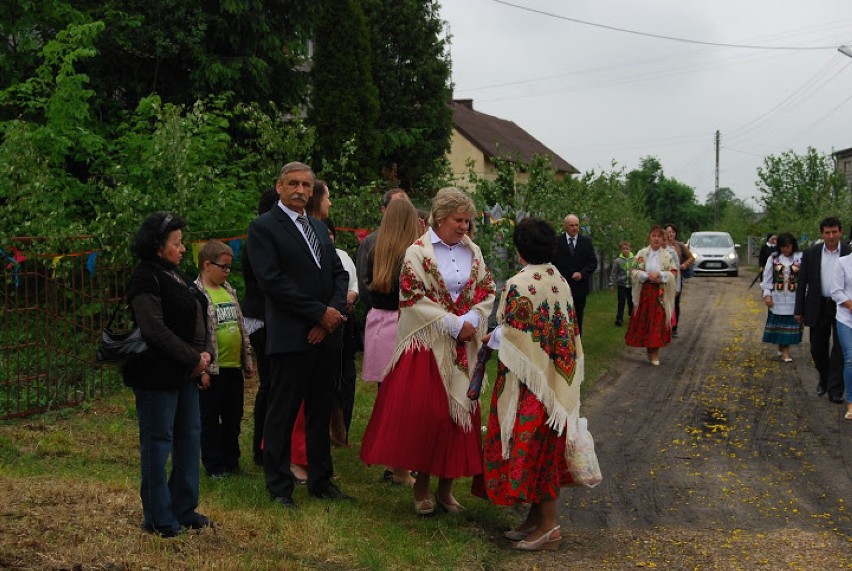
844, 334
169, 423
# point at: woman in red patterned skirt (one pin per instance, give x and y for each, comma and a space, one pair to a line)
422, 419
536, 399
654, 273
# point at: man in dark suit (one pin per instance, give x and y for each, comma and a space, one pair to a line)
816, 309
304, 284
576, 260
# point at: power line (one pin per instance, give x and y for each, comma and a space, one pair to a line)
660, 36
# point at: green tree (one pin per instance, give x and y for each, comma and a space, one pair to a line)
411, 69
665, 199
180, 50
46, 151
798, 190
344, 104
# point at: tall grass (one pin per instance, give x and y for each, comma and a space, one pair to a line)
69, 488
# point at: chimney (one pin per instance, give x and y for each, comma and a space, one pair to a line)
467, 103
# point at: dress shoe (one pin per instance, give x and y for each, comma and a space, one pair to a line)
197, 521
331, 492
452, 507
425, 506
165, 533
821, 390
546, 541
518, 534
836, 399
618, 323
285, 502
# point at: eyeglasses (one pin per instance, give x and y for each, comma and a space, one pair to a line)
223, 267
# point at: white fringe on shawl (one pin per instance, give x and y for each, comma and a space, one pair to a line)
669, 288
530, 365
421, 325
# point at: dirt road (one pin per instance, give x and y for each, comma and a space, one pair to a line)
722, 458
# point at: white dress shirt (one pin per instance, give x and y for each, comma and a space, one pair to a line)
454, 263
826, 269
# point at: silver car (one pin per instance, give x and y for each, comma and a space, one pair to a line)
715, 253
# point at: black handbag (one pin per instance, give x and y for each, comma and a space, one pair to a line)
116, 346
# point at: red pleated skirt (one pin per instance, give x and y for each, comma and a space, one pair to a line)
298, 442
536, 468
648, 326
411, 428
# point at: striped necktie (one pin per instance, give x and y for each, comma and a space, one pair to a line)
311, 236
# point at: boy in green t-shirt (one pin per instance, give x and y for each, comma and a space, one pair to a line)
620, 277
222, 402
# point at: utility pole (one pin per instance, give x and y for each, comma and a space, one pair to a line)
716, 192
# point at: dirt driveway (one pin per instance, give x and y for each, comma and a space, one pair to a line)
722, 458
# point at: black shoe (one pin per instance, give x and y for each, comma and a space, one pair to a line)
836, 398
165, 533
285, 502
331, 492
258, 459
387, 476
821, 390
198, 521
618, 323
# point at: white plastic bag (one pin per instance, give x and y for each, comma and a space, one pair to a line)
581, 457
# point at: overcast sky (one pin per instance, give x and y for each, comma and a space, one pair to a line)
596, 95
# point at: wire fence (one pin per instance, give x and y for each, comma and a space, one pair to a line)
54, 308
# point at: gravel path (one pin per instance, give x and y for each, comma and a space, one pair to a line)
722, 458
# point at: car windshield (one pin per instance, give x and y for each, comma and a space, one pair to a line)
713, 241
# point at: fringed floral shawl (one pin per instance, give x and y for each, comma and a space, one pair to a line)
668, 290
541, 348
424, 300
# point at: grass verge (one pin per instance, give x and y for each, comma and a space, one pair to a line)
69, 497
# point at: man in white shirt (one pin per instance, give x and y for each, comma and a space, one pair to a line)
816, 309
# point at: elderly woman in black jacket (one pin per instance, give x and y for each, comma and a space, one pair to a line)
167, 377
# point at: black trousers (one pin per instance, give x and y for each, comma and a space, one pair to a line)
258, 342
221, 412
677, 311
826, 350
310, 376
579, 307
625, 296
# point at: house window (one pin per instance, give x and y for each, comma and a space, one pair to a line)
847, 166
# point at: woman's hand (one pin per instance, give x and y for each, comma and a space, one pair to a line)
467, 332
203, 363
204, 381
486, 338
654, 277
768, 300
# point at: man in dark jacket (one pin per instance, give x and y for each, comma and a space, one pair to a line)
304, 283
576, 260
816, 309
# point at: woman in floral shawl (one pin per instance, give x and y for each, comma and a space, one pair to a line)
654, 273
422, 419
536, 400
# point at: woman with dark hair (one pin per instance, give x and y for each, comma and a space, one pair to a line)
320, 201
535, 404
766, 249
653, 277
780, 277
170, 312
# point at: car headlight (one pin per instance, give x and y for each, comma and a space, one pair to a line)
732, 256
